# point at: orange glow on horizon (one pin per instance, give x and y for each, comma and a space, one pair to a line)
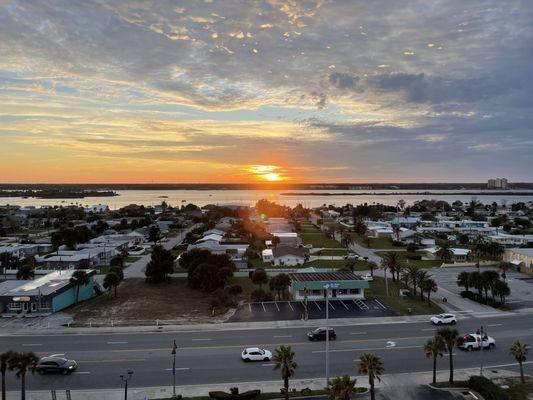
268, 173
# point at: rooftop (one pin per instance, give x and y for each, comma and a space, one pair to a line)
313, 276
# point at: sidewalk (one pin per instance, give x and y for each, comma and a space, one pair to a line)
393, 384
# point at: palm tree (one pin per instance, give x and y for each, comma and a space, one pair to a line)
449, 337
111, 281
428, 285
25, 272
371, 365
341, 387
434, 348
412, 272
4, 363
392, 262
22, 363
284, 361
421, 276
519, 351
501, 289
463, 279
79, 278
476, 282
445, 252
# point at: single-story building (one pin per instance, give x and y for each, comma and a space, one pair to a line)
458, 255
43, 296
520, 259
289, 256
346, 285
267, 255
506, 239
288, 238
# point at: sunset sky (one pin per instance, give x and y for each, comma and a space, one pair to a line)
273, 90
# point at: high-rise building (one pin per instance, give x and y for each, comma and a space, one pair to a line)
497, 183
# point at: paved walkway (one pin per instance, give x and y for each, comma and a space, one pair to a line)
393, 386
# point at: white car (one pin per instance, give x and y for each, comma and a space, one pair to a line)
368, 277
444, 319
473, 341
256, 354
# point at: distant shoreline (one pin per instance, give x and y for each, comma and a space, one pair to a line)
486, 193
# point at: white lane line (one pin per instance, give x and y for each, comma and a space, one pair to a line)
268, 365
276, 303
368, 349
493, 325
201, 340
177, 369
81, 372
448, 354
290, 305
316, 304
283, 336
379, 302
117, 342
357, 333
427, 329
32, 344
342, 302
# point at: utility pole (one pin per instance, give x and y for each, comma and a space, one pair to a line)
306, 312
326, 287
481, 334
125, 379
174, 348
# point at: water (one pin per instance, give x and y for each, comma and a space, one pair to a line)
250, 197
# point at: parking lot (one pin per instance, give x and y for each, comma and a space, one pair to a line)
294, 310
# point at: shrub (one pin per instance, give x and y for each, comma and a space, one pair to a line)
414, 256
234, 396
396, 243
411, 247
486, 388
260, 295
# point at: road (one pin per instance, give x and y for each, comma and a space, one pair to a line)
214, 356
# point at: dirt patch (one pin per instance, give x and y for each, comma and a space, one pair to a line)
141, 303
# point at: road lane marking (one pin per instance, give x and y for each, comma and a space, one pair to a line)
250, 307
427, 329
178, 369
290, 305
201, 340
342, 302
268, 365
316, 304
357, 333
276, 303
283, 336
369, 349
264, 309
81, 372
32, 344
117, 342
493, 325
331, 305
112, 361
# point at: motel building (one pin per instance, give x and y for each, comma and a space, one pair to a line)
347, 285
42, 296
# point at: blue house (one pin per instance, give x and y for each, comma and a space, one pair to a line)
45, 295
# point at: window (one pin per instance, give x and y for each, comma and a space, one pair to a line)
15, 306
354, 291
343, 291
317, 292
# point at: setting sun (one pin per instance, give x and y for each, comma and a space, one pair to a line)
269, 173
272, 177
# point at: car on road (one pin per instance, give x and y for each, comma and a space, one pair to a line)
472, 341
320, 334
367, 277
256, 354
56, 364
444, 319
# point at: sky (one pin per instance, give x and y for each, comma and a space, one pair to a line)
262, 91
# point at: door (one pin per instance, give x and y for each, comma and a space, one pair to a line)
333, 292
24, 306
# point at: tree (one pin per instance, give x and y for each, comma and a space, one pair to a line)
372, 265
341, 388
284, 361
421, 276
502, 290
25, 272
208, 277
4, 363
489, 279
154, 234
275, 241
519, 351
463, 279
476, 282
391, 260
428, 285
259, 277
412, 273
111, 281
445, 252
279, 284
449, 336
433, 349
119, 271
160, 266
22, 363
117, 261
79, 278
371, 365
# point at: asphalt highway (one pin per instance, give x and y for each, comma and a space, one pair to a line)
214, 356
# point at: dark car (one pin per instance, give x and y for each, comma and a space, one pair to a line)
320, 334
54, 364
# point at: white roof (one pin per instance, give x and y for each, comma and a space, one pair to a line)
212, 236
266, 252
523, 251
285, 234
454, 250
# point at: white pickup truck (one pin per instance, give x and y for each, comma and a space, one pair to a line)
472, 341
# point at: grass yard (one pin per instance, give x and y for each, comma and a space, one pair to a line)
393, 301
141, 303
259, 263
517, 390
375, 243
331, 252
417, 263
319, 239
176, 252
131, 259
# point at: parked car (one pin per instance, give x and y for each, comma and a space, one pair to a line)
367, 277
56, 364
444, 319
320, 334
472, 341
351, 256
256, 354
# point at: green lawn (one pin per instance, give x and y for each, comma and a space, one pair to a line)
131, 259
375, 243
176, 252
393, 301
417, 263
319, 240
331, 252
259, 263
517, 390
103, 269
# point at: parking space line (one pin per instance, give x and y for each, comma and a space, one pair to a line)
283, 336
357, 304
250, 306
316, 304
264, 308
277, 306
201, 340
81, 372
381, 305
290, 305
342, 302
331, 305
357, 333
268, 365
32, 344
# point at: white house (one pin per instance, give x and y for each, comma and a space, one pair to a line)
267, 255
288, 238
507, 240
289, 256
458, 255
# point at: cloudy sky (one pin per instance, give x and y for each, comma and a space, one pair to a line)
241, 91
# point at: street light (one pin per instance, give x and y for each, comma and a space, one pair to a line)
174, 348
125, 379
306, 312
326, 287
481, 334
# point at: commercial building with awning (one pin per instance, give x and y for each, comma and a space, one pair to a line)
313, 282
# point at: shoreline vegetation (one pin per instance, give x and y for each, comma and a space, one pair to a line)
57, 193
484, 193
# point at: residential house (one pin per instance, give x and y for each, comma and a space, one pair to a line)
458, 254
289, 256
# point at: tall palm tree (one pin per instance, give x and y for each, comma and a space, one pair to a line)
4, 363
371, 365
412, 272
449, 337
463, 279
22, 363
421, 276
79, 278
25, 272
434, 348
284, 361
519, 350
391, 260
111, 281
428, 285
341, 387
477, 283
